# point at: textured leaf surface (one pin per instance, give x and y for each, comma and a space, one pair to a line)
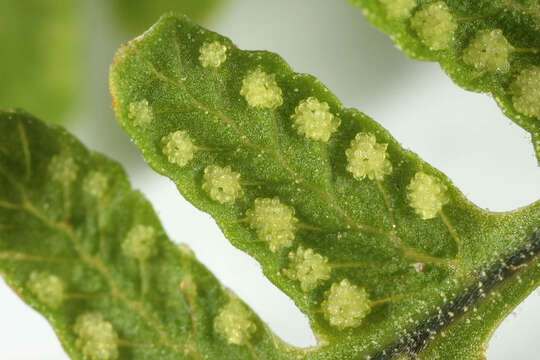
484, 46
87, 251
378, 248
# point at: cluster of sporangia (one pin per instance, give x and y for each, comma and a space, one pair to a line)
97, 338
273, 221
487, 52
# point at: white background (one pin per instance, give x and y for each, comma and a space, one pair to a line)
463, 134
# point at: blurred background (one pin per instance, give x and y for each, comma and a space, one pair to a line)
54, 63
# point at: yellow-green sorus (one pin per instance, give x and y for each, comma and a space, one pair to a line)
139, 242
178, 147
526, 92
314, 120
261, 90
140, 112
366, 157
212, 54
48, 288
488, 51
346, 305
308, 267
233, 323
95, 184
398, 9
63, 169
274, 222
427, 195
97, 338
435, 25
221, 184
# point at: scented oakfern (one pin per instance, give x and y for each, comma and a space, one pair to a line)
382, 253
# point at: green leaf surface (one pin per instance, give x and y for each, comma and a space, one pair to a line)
483, 45
88, 252
382, 253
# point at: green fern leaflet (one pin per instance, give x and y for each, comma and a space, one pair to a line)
381, 252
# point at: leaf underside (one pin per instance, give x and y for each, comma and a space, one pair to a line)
491, 43
432, 280
65, 216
